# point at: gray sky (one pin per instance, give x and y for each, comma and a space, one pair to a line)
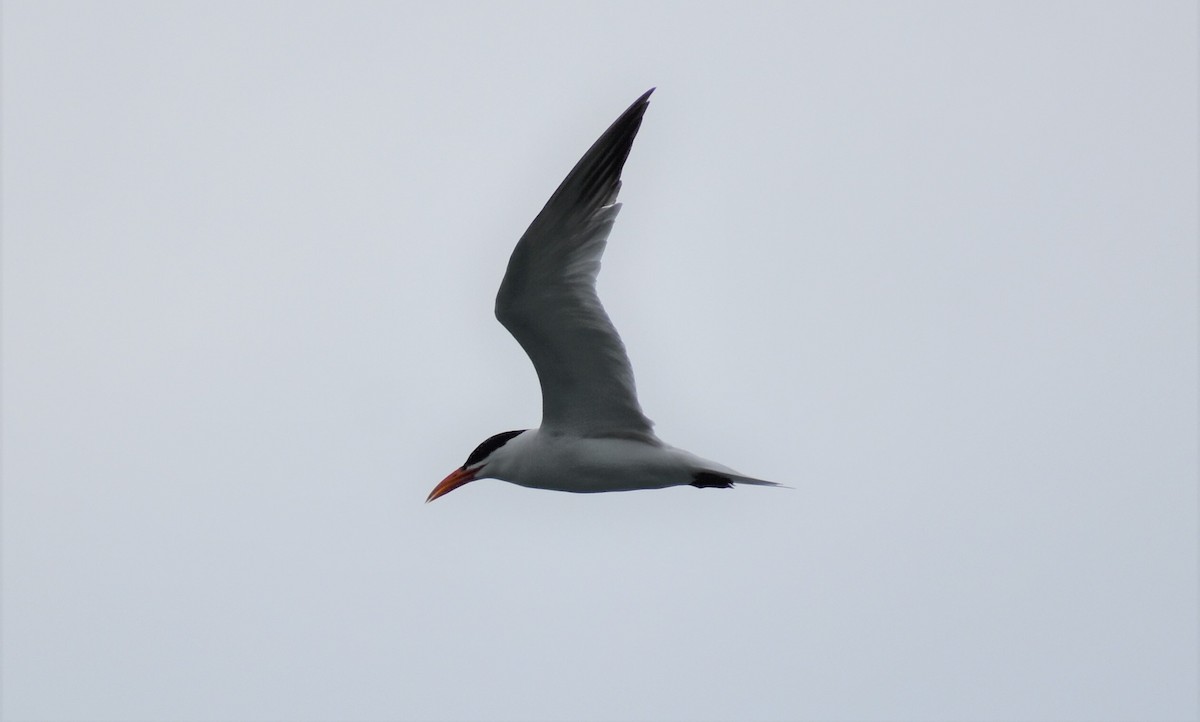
932, 264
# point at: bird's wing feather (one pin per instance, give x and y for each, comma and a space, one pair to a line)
548, 300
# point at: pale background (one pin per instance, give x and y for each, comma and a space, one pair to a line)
932, 264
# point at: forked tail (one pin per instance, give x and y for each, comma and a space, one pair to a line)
726, 480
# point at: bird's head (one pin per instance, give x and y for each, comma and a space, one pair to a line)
475, 466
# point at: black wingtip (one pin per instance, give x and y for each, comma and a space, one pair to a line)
596, 178
639, 105
632, 117
710, 480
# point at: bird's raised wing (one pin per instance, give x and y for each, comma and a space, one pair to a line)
548, 299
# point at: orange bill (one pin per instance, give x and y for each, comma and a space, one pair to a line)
457, 478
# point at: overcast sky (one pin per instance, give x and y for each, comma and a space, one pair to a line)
934, 265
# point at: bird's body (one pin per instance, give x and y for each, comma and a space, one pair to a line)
541, 460
593, 436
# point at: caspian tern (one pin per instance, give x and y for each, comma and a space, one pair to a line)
593, 435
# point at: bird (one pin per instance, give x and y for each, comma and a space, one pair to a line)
593, 435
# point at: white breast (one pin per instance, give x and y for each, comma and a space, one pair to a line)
542, 460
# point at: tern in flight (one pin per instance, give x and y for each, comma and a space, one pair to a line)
593, 436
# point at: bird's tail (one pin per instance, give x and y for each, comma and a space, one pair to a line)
757, 482
725, 479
